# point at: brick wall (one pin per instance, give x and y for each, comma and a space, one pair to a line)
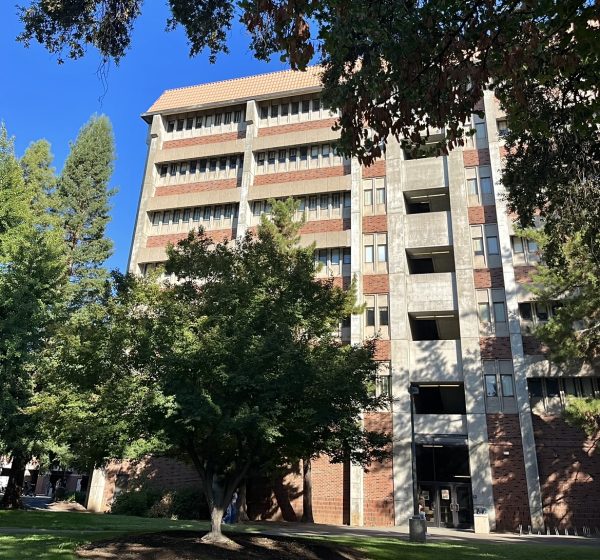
569, 468
377, 169
296, 127
383, 350
523, 274
322, 226
342, 282
202, 140
482, 214
374, 224
495, 348
331, 492
218, 185
476, 157
301, 175
378, 496
376, 284
216, 235
509, 482
488, 278
533, 347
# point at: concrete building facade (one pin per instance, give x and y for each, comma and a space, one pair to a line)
443, 278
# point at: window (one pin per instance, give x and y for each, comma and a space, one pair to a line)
218, 118
507, 385
285, 108
502, 127
370, 316
271, 157
323, 257
183, 168
325, 150
264, 112
484, 312
517, 245
156, 218
274, 111
227, 211
176, 216
347, 200
316, 104
170, 126
282, 156
293, 154
212, 164
541, 311
499, 312
187, 214
166, 217
491, 387
237, 116
189, 124
303, 154
472, 187
380, 196
217, 212
347, 256
260, 159
199, 121
163, 170
196, 216
335, 257
382, 253
314, 152
486, 185
480, 131
223, 163
532, 246
301, 204
492, 244
335, 200
193, 166
173, 170
306, 106
295, 107
525, 311
383, 385
478, 246
384, 319
368, 253
180, 123
324, 202
233, 162
312, 202
257, 208
208, 121
227, 118
206, 214
368, 197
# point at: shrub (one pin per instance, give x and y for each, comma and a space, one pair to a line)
135, 502
190, 503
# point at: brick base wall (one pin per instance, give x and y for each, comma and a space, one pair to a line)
508, 472
569, 467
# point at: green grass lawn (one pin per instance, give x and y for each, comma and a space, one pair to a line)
55, 535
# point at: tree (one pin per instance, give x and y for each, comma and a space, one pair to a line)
82, 206
584, 413
32, 280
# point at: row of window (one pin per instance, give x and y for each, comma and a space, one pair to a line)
297, 157
329, 260
377, 315
550, 394
197, 122
314, 207
278, 109
217, 212
182, 169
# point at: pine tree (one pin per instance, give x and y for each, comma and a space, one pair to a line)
82, 204
40, 176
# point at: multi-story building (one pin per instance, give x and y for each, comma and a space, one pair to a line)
443, 277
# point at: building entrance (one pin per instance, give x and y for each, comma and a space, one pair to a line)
444, 485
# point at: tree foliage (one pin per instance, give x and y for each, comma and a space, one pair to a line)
584, 412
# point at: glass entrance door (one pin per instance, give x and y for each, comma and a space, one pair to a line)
463, 506
446, 504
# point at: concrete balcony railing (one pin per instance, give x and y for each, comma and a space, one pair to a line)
428, 230
440, 424
435, 361
426, 173
432, 292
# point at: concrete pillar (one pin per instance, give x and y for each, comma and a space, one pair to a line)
512, 305
248, 169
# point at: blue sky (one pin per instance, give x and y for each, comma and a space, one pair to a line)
41, 99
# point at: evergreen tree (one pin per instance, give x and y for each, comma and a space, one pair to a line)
40, 176
82, 204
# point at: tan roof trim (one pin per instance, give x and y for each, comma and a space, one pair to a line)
237, 90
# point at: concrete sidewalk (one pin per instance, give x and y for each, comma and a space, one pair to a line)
434, 534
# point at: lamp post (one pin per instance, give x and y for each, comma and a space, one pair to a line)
412, 391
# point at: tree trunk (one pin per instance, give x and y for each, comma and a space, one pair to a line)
242, 505
307, 512
14, 487
218, 500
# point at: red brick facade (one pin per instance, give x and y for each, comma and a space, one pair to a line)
482, 215
184, 188
322, 226
377, 169
216, 235
203, 140
383, 350
495, 348
374, 224
509, 481
301, 175
488, 278
376, 284
296, 127
569, 468
378, 483
523, 274
476, 157
533, 347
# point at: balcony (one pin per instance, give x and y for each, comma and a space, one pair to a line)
424, 173
437, 361
433, 292
440, 424
432, 229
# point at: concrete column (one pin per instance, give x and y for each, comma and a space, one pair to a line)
140, 231
248, 169
399, 337
479, 459
514, 325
